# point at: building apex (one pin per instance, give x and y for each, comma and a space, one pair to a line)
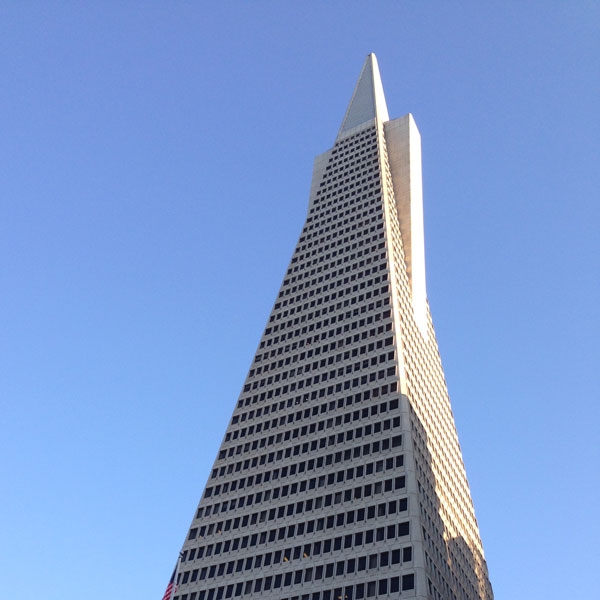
368, 100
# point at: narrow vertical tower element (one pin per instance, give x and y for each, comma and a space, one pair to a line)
340, 476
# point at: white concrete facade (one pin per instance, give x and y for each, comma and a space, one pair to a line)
340, 476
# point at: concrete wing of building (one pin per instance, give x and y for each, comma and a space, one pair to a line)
340, 475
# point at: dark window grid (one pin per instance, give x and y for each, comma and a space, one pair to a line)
358, 305
335, 259
358, 201
321, 284
345, 234
313, 565
360, 334
355, 184
343, 255
309, 324
306, 432
315, 325
368, 189
358, 208
306, 378
345, 263
315, 350
359, 591
350, 343
369, 285
347, 275
348, 376
358, 302
338, 238
309, 299
369, 490
306, 429
311, 336
371, 448
369, 394
306, 465
310, 356
351, 517
331, 345
319, 274
339, 199
309, 413
303, 253
340, 293
357, 471
295, 489
279, 557
362, 199
369, 224
338, 268
318, 443
362, 214
369, 432
344, 225
308, 397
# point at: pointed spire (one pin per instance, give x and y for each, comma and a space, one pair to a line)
367, 100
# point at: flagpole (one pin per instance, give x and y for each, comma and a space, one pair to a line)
175, 578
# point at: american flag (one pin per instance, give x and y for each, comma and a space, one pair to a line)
172, 587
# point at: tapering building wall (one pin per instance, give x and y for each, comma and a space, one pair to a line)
340, 475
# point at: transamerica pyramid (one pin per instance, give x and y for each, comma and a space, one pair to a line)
340, 476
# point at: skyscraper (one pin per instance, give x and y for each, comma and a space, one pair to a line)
340, 475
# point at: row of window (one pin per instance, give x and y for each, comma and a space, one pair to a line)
320, 300
291, 470
351, 540
336, 310
337, 238
390, 463
321, 443
372, 589
340, 519
308, 527
355, 213
357, 160
307, 575
309, 396
383, 445
301, 257
334, 319
340, 280
345, 190
300, 487
306, 415
329, 391
345, 186
321, 365
359, 207
337, 317
296, 417
316, 350
359, 220
322, 408
250, 463
324, 225
338, 330
358, 260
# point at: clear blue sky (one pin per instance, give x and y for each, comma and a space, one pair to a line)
155, 162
